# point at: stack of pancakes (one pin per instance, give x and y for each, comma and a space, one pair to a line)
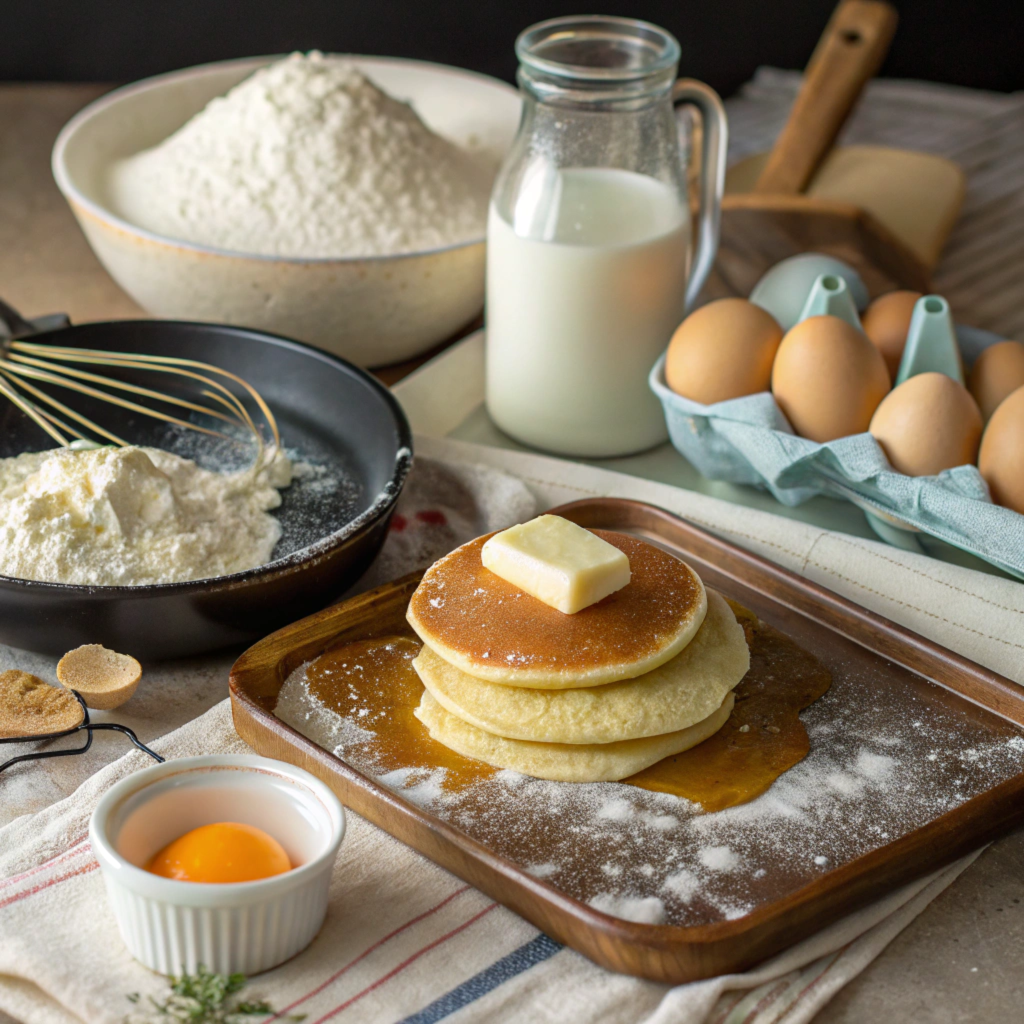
594, 696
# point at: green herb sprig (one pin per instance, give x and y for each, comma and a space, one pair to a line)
204, 998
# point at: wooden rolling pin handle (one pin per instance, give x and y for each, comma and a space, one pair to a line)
851, 50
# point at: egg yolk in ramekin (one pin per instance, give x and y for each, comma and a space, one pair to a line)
222, 852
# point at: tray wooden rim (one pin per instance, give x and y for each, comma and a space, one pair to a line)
664, 952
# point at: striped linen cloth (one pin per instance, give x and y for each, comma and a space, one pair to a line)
404, 941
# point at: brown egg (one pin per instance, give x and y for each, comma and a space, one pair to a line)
996, 373
828, 378
927, 424
722, 350
886, 322
1001, 459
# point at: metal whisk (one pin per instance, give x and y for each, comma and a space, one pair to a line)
24, 363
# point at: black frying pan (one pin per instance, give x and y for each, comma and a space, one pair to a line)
336, 415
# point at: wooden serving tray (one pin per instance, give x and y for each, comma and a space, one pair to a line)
941, 732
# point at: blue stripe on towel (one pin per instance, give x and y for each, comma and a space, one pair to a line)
533, 952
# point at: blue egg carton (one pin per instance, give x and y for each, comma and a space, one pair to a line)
749, 441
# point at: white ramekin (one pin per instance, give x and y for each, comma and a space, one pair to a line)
173, 927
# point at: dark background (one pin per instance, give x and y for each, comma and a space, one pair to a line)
979, 44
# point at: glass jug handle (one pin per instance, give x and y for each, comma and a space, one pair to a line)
712, 176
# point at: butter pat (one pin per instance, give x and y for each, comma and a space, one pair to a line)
557, 562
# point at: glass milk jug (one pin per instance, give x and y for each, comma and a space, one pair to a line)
591, 258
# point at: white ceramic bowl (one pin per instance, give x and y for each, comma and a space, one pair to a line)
173, 926
373, 311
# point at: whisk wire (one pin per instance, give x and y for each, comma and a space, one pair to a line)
230, 401
22, 361
118, 384
84, 389
165, 364
53, 419
225, 397
30, 410
78, 417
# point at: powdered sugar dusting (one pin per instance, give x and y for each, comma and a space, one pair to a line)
886, 758
719, 858
645, 909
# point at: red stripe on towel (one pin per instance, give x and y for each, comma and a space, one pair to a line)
723, 1014
366, 952
767, 999
83, 870
405, 963
82, 846
810, 985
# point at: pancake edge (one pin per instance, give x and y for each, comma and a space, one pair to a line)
562, 756
498, 729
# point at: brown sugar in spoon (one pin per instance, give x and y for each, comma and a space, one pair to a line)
103, 678
29, 707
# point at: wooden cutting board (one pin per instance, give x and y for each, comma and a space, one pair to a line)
886, 211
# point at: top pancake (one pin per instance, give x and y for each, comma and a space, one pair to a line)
492, 630
674, 696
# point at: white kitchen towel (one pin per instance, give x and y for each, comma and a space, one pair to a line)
404, 941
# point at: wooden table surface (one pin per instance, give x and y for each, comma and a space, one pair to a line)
959, 961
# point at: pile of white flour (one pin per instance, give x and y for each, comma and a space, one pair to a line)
306, 158
133, 516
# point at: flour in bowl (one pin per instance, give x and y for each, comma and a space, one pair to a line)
133, 516
306, 158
